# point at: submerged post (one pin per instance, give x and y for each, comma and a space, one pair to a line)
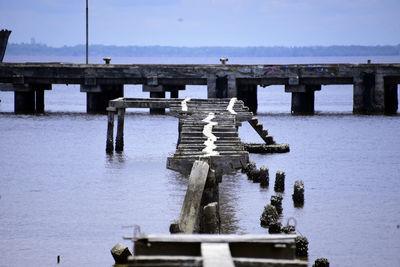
110, 130
119, 142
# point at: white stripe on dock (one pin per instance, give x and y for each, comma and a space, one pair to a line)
211, 138
231, 104
184, 104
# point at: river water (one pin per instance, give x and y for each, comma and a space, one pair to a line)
60, 194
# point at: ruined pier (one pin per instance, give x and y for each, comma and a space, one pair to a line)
375, 86
208, 146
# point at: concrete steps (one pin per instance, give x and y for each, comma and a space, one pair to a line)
259, 128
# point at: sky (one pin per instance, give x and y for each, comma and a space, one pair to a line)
203, 22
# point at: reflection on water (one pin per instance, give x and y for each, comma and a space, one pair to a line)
115, 160
61, 194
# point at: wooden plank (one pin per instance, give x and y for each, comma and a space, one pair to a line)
189, 217
255, 262
216, 254
162, 260
223, 238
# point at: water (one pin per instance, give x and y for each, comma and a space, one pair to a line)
60, 193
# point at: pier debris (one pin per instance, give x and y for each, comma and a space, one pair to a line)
264, 176
265, 148
120, 253
275, 228
301, 246
279, 181
249, 166
269, 216
321, 262
289, 229
254, 175
276, 201
174, 228
298, 193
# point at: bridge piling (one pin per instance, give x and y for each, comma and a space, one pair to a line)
302, 97
24, 102
98, 96
248, 93
212, 87
110, 130
119, 141
391, 98
369, 94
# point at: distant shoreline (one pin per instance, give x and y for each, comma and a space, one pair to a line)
33, 49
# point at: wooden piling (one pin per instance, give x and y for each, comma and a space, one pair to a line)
110, 130
119, 142
279, 182
298, 193
211, 218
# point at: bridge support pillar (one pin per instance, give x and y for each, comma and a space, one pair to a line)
302, 97
156, 91
391, 98
248, 93
369, 93
174, 89
221, 87
28, 98
98, 96
212, 87
174, 94
24, 102
157, 95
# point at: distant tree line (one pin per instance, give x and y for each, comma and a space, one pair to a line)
206, 51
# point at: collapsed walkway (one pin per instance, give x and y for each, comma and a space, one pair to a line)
208, 147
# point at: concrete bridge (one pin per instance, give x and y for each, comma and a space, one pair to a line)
375, 85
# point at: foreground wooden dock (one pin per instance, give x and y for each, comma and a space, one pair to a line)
214, 250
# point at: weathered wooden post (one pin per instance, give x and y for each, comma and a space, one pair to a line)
211, 218
276, 201
110, 130
298, 193
119, 142
4, 35
264, 176
279, 181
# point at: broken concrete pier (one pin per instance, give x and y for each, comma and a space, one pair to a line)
375, 86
